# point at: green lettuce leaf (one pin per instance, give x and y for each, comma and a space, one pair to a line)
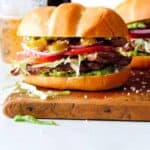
136, 25
104, 71
33, 120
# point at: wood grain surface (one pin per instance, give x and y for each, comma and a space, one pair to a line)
130, 102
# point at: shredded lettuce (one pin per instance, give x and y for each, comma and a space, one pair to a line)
136, 25
32, 91
125, 53
75, 63
139, 43
21, 65
145, 43
33, 120
132, 53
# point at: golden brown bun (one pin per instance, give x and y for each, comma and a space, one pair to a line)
73, 20
140, 62
87, 83
134, 10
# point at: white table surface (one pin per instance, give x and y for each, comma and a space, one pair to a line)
70, 135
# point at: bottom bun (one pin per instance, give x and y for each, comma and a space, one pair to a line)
87, 83
140, 62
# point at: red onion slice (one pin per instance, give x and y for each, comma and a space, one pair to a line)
139, 33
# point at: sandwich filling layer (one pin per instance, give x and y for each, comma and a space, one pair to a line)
139, 39
47, 56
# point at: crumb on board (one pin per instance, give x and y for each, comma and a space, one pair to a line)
128, 94
85, 96
139, 82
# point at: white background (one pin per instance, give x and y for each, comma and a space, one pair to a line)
71, 135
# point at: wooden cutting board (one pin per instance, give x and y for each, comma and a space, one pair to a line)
130, 102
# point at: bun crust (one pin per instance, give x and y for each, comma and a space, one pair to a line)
140, 62
73, 20
87, 83
134, 10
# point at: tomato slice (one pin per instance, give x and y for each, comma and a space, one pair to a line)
139, 33
33, 56
88, 49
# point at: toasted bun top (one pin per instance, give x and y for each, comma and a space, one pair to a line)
72, 20
134, 10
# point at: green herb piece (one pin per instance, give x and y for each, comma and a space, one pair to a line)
33, 120
136, 25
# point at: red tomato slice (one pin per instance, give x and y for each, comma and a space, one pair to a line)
33, 56
88, 49
139, 33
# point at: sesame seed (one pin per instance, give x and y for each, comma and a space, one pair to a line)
116, 70
132, 88
137, 79
133, 74
128, 94
148, 91
143, 82
124, 88
85, 96
141, 73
